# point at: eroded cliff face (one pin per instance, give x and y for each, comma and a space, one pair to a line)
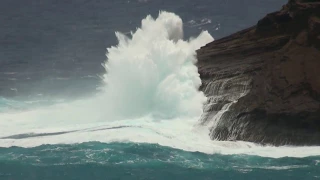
263, 83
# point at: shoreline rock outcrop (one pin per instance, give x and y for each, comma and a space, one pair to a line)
263, 83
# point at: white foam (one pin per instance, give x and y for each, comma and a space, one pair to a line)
284, 167
176, 133
150, 96
154, 71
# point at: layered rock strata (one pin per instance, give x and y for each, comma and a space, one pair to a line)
263, 83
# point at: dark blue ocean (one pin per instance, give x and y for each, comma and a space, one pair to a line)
79, 101
51, 48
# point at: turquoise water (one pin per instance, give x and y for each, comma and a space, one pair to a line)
96, 160
149, 94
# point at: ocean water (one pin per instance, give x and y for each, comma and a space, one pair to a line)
134, 114
96, 160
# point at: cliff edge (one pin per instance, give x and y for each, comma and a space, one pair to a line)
263, 83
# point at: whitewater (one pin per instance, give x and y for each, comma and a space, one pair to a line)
150, 95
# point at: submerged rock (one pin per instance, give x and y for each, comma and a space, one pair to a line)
263, 83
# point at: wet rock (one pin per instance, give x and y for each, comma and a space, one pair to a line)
263, 83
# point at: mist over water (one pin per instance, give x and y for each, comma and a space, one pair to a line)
153, 71
136, 116
150, 77
150, 95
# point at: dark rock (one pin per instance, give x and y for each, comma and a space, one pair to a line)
263, 83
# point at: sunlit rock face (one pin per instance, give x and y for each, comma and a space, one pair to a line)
263, 83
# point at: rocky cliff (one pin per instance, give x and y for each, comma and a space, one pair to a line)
263, 83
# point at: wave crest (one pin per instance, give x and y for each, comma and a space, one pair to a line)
153, 71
